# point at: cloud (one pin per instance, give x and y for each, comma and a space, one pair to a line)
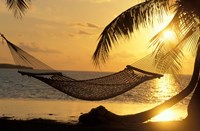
70, 35
77, 34
92, 25
33, 48
82, 29
85, 25
84, 33
78, 24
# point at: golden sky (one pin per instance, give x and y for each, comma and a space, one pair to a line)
64, 33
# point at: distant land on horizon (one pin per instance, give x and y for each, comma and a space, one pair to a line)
11, 66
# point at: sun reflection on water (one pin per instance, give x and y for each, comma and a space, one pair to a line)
166, 87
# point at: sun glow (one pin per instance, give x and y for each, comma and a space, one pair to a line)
168, 34
167, 115
168, 37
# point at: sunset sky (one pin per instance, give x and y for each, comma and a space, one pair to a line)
64, 34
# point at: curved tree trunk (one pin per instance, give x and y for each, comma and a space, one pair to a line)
101, 115
194, 105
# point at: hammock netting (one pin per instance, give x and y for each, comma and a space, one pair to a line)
93, 89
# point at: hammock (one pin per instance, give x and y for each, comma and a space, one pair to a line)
103, 87
92, 89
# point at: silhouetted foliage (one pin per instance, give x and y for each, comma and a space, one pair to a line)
18, 7
185, 27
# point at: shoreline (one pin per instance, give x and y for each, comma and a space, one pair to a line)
63, 115
69, 111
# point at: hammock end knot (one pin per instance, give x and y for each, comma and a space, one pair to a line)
3, 36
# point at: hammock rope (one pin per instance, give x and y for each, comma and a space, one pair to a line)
92, 89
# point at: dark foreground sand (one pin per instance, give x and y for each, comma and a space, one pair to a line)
7, 124
14, 115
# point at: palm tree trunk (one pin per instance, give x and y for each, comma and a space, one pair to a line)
194, 105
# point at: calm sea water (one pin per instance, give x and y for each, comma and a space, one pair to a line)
13, 85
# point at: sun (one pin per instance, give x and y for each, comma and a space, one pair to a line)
168, 37
168, 34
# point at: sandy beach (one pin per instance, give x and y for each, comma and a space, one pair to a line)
25, 114
69, 111
62, 111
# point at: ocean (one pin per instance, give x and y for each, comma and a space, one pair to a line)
22, 92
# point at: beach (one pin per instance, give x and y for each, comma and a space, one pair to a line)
24, 114
69, 111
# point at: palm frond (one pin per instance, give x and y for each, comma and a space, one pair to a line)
18, 6
180, 25
170, 62
140, 15
186, 31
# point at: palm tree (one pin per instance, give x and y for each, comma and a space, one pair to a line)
18, 7
186, 29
